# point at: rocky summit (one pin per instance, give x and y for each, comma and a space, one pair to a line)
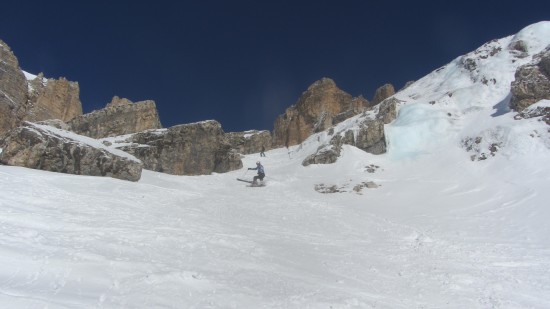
321, 106
24, 96
382, 93
120, 117
53, 99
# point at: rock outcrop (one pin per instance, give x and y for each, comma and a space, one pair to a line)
249, 141
53, 99
34, 100
50, 149
120, 117
382, 93
532, 82
117, 101
188, 149
321, 106
370, 137
13, 90
540, 109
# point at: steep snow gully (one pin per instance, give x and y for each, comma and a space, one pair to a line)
442, 229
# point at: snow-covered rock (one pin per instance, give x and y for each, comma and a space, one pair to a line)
51, 149
458, 102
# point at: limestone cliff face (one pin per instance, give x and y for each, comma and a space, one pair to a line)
322, 105
532, 82
53, 99
189, 149
250, 141
118, 119
13, 90
34, 100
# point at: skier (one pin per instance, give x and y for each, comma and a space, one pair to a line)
262, 154
261, 173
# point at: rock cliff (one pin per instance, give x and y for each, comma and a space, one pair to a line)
120, 117
53, 99
321, 106
189, 149
33, 100
13, 90
369, 135
249, 141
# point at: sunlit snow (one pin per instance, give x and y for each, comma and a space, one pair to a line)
440, 231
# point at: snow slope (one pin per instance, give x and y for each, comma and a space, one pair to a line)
440, 231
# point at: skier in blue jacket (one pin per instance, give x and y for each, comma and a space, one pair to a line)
261, 173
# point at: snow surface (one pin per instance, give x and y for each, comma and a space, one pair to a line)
251, 133
440, 231
30, 77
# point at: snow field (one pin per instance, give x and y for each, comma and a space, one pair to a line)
426, 237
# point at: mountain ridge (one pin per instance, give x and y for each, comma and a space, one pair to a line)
442, 105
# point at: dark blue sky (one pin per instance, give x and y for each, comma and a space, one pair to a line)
244, 62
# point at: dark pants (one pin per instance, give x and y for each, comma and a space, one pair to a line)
260, 177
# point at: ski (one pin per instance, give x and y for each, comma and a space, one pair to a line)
244, 180
252, 184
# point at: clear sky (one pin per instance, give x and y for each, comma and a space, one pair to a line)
244, 62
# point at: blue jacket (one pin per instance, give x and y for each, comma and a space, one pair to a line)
260, 169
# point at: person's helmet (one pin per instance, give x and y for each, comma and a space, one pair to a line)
258, 163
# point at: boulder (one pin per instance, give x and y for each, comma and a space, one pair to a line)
117, 119
249, 141
371, 138
13, 90
189, 149
387, 110
540, 109
316, 110
328, 154
51, 149
323, 155
532, 82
